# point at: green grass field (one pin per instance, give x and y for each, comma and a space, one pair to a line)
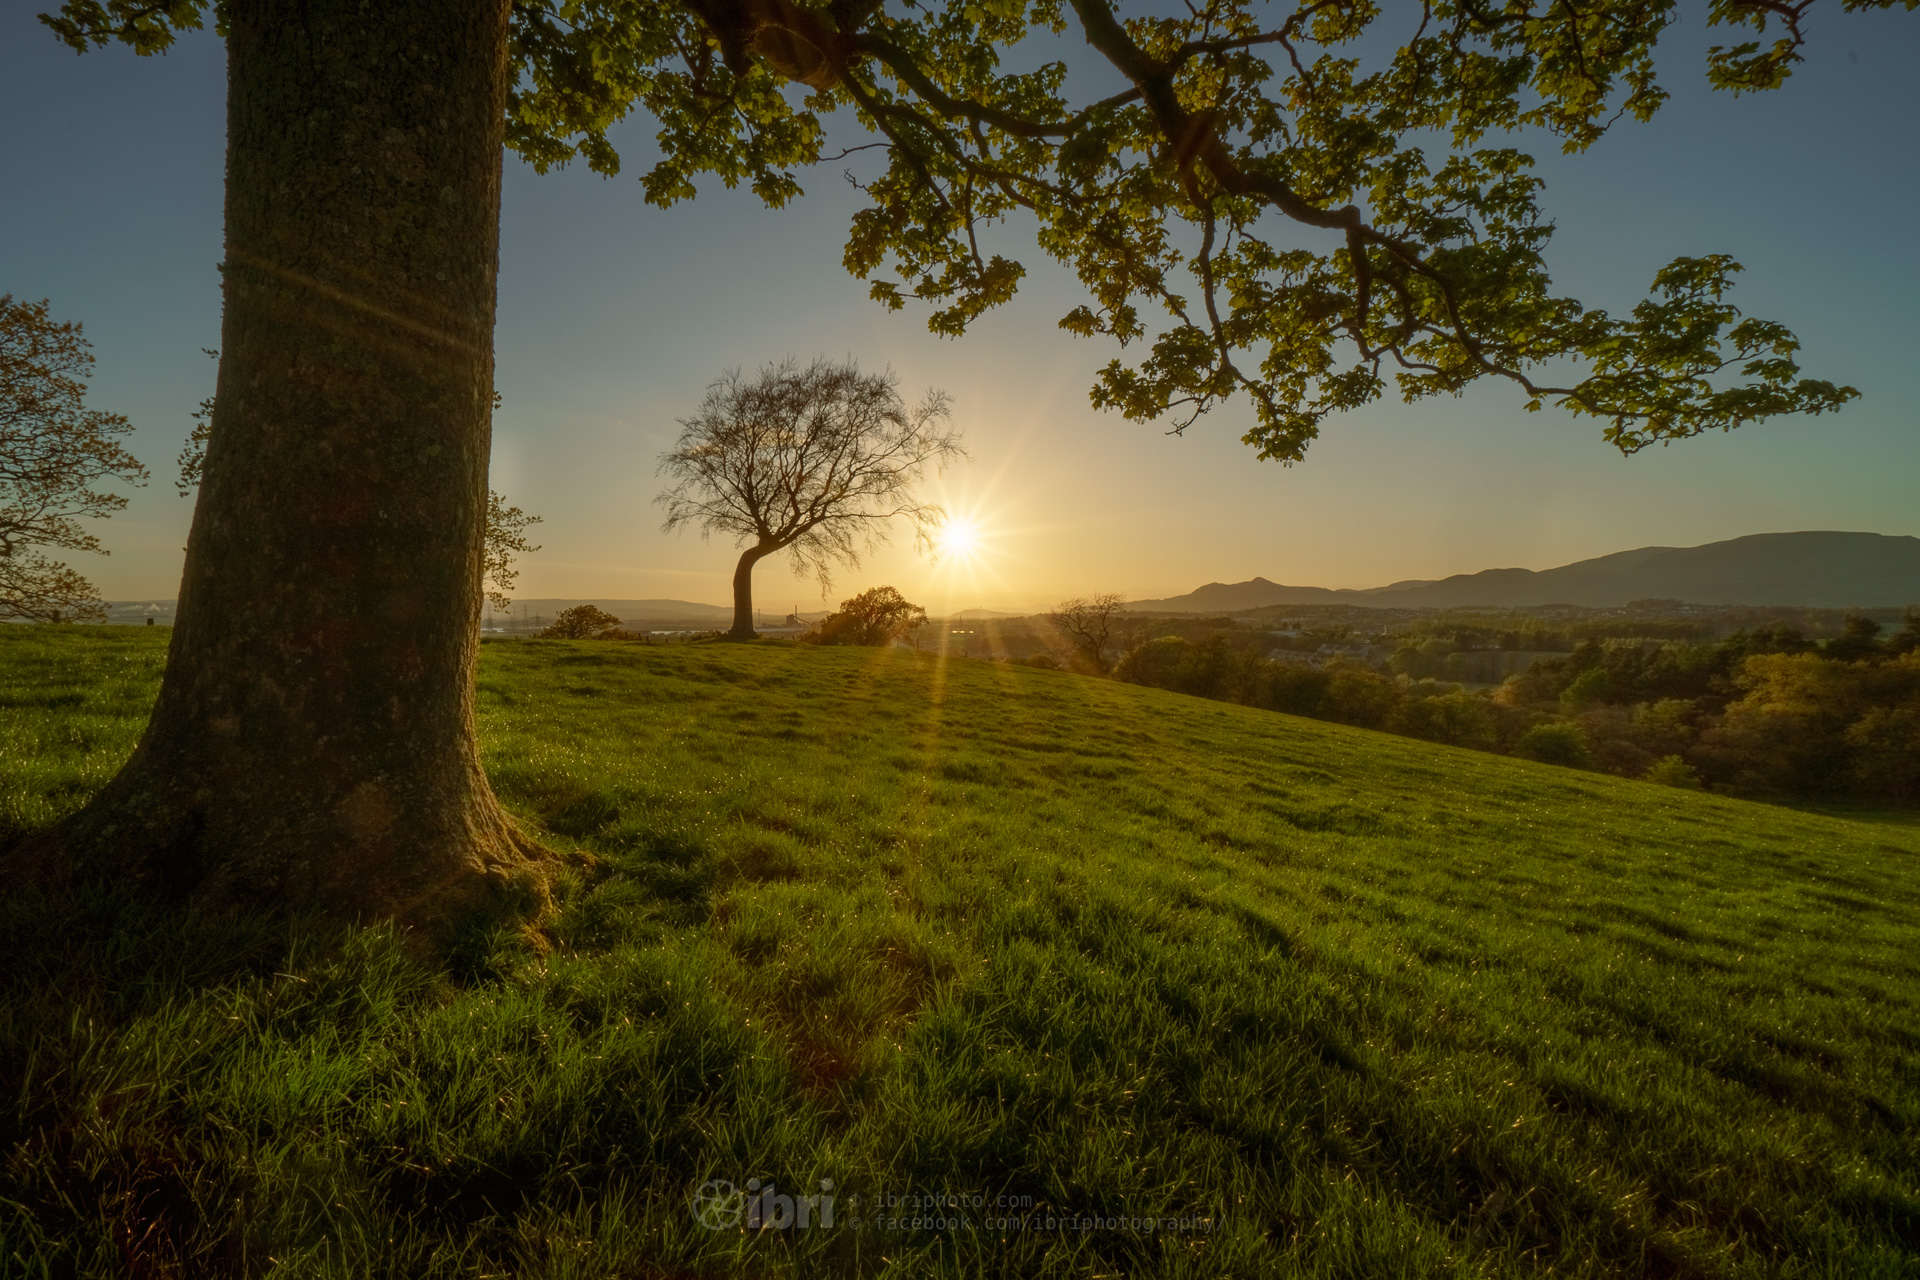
1128, 984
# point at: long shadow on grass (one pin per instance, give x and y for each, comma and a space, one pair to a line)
189, 1097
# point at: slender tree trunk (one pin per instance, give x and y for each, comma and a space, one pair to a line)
743, 592
313, 744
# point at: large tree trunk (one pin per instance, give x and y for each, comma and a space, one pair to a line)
743, 592
313, 744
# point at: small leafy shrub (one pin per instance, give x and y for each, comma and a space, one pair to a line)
1885, 747
1281, 686
1160, 664
1457, 718
1674, 771
584, 622
1589, 687
1358, 696
1044, 660
874, 618
1555, 743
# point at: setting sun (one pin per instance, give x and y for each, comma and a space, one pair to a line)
959, 539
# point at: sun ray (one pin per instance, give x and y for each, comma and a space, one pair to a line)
959, 539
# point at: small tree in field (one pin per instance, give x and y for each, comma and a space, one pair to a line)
582, 622
52, 451
815, 462
1555, 743
1089, 623
874, 617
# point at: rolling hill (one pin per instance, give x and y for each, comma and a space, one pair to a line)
1816, 569
1033, 974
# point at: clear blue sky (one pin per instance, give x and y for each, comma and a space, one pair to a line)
614, 315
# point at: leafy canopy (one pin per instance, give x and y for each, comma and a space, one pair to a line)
1305, 201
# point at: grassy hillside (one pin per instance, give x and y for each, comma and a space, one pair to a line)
1129, 983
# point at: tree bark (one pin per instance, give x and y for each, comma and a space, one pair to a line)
313, 744
743, 592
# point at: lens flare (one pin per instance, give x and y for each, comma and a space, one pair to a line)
959, 540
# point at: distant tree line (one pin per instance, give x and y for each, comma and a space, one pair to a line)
1765, 713
1538, 628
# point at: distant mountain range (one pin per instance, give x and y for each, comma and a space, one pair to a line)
1815, 569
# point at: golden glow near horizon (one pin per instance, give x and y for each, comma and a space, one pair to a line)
969, 561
